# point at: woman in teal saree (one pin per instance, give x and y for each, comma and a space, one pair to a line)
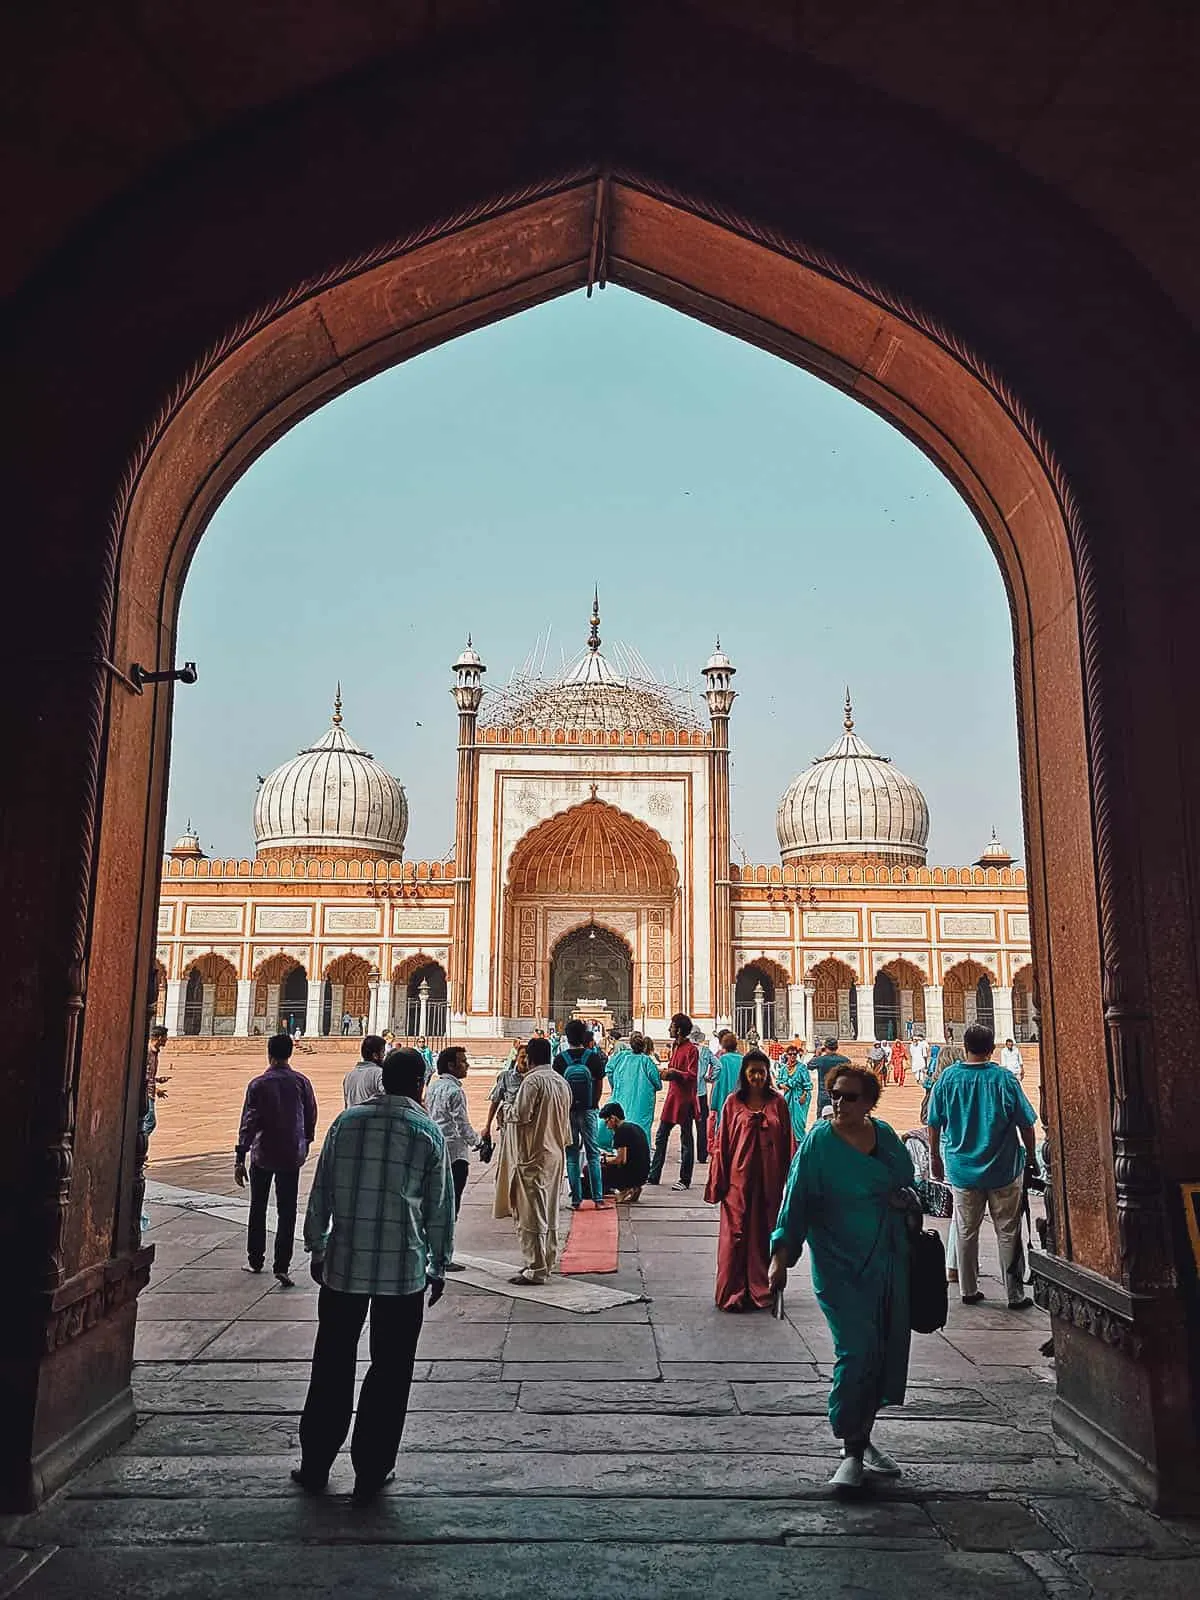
843, 1200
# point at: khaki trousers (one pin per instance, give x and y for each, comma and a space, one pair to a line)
537, 1220
1004, 1207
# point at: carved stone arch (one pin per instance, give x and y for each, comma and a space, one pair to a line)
593, 848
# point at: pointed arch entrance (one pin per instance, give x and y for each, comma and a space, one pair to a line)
592, 868
591, 975
939, 282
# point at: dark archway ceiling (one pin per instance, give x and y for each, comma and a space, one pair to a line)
1093, 98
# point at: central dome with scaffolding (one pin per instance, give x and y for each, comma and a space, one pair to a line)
592, 692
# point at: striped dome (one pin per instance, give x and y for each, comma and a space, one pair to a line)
852, 802
332, 796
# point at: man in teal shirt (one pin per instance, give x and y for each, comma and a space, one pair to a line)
980, 1134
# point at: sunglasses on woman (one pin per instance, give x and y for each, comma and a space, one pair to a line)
844, 1094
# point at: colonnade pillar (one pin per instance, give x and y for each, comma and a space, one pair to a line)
176, 1000
866, 1013
935, 1020
1002, 1014
312, 1014
245, 999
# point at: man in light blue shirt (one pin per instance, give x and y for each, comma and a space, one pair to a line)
980, 1135
380, 1228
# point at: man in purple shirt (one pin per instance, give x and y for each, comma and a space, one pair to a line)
279, 1120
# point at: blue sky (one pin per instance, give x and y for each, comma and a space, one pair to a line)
705, 486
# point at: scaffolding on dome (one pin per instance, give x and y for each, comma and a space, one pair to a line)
590, 692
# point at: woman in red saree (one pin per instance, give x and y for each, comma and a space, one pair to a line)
899, 1062
748, 1168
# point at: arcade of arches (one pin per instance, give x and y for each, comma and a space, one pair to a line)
918, 219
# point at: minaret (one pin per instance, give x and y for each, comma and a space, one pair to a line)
468, 692
720, 695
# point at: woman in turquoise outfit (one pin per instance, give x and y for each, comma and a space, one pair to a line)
725, 1080
844, 1200
794, 1077
635, 1080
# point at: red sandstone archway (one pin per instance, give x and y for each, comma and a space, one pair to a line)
930, 277
597, 856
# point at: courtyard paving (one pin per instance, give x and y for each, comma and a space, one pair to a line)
652, 1449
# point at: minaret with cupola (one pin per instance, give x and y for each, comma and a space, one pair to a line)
720, 695
468, 694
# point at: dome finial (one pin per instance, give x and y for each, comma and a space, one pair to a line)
337, 705
848, 714
594, 635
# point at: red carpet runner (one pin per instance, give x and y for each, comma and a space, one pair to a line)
592, 1242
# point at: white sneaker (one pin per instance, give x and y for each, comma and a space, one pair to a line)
849, 1474
876, 1460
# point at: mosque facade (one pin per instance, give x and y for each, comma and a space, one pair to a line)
591, 875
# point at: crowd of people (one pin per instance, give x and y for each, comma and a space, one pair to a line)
795, 1155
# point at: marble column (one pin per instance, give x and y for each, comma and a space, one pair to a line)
798, 1012
208, 1009
866, 1013
1002, 1014
383, 1006
312, 1016
245, 999
272, 1020
176, 1000
935, 1021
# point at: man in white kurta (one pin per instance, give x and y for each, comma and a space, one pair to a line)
533, 1153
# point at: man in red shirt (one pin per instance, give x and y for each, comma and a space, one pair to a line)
679, 1108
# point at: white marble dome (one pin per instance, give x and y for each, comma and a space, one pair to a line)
332, 795
852, 802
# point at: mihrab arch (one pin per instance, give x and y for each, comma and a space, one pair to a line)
790, 191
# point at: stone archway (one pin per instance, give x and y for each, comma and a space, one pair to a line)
346, 995
592, 967
834, 1002
967, 997
210, 997
592, 864
934, 277
760, 1000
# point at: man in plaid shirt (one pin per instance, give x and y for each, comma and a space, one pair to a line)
380, 1228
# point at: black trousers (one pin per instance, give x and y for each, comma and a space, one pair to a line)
702, 1130
286, 1184
687, 1143
458, 1174
382, 1400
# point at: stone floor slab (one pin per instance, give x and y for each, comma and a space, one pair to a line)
576, 1342
450, 1338
753, 1339
453, 1472
469, 1518
1137, 1577
812, 1398
175, 1341
578, 1371
677, 1398
1087, 1525
167, 1306
262, 1340
738, 1371
498, 1571
990, 1525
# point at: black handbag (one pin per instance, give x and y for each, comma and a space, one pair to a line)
928, 1298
